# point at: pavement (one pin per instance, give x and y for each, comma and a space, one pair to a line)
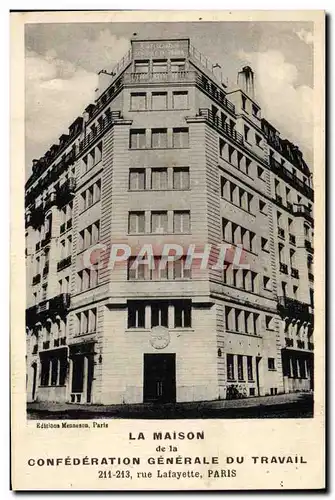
294, 405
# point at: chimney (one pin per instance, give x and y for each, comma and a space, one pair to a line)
245, 81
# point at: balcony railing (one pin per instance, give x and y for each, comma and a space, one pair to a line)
292, 179
281, 232
288, 342
93, 136
294, 273
292, 239
43, 306
311, 277
215, 93
293, 308
303, 211
36, 279
301, 344
221, 126
66, 191
283, 268
164, 76
62, 264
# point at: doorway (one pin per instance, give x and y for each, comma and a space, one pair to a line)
159, 385
33, 392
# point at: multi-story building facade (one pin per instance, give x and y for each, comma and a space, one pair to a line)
169, 154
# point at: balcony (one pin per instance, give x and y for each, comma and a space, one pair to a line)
62, 264
290, 178
162, 77
288, 342
311, 277
303, 211
214, 92
221, 126
292, 239
281, 233
35, 349
46, 240
283, 268
293, 308
66, 192
310, 346
301, 344
36, 279
308, 246
294, 273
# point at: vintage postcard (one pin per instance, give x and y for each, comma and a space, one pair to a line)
168, 250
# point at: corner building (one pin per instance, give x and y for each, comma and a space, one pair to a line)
168, 153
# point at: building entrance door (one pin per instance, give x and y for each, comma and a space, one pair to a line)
82, 357
159, 378
33, 392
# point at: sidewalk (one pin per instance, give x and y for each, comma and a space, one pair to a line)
170, 410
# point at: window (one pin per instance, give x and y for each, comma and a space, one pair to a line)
159, 222
159, 178
230, 367
179, 271
137, 270
249, 368
182, 314
261, 173
265, 244
271, 363
159, 138
136, 222
263, 207
177, 65
138, 101
240, 367
159, 314
269, 322
181, 222
244, 101
180, 137
255, 110
246, 132
136, 315
159, 100
258, 140
181, 178
159, 66
141, 66
45, 370
98, 153
137, 179
180, 100
137, 139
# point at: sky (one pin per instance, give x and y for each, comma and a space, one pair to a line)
62, 61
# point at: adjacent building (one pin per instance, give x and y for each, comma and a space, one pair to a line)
168, 153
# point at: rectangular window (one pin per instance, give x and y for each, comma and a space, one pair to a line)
137, 179
240, 368
159, 179
159, 138
181, 178
137, 139
181, 222
137, 270
230, 367
180, 100
98, 153
249, 368
136, 222
182, 314
271, 364
159, 222
97, 191
159, 100
92, 320
141, 66
138, 101
179, 271
180, 138
177, 65
159, 66
159, 314
136, 315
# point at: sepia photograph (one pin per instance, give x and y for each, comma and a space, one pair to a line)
169, 220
